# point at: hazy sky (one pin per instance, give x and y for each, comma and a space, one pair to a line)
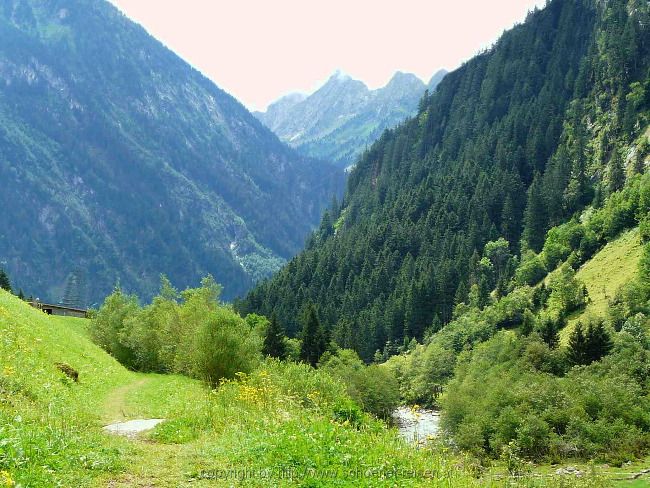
259, 50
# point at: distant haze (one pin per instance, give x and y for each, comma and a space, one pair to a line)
259, 50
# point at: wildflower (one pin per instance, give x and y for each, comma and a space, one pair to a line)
5, 479
8, 371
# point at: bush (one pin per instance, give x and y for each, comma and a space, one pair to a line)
109, 326
189, 333
531, 270
224, 346
501, 395
374, 387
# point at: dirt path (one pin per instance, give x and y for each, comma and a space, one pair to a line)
115, 403
158, 465
152, 464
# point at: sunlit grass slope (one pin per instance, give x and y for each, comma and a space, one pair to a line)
612, 267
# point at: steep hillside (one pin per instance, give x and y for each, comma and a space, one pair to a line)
512, 143
120, 162
604, 275
343, 117
554, 366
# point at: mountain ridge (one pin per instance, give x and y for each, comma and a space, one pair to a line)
343, 116
131, 163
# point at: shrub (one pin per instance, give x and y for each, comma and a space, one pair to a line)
109, 326
531, 270
189, 333
223, 346
374, 387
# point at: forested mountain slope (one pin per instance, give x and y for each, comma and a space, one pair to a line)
118, 161
343, 117
515, 141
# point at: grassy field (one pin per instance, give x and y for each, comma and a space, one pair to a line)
604, 274
284, 425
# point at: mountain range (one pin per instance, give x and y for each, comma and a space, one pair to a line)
119, 161
342, 118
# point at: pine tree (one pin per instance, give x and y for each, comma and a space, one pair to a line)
274, 345
509, 225
5, 284
314, 340
535, 218
616, 173
577, 351
598, 342
548, 333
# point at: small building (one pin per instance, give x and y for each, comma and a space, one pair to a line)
62, 310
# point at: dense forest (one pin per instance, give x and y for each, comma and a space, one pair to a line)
516, 141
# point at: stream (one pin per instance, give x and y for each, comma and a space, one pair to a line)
416, 425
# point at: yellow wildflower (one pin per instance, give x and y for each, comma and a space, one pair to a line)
5, 479
8, 371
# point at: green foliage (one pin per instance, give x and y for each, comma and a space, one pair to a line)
531, 270
189, 333
588, 345
504, 148
373, 387
535, 218
503, 392
5, 283
274, 339
223, 347
109, 326
567, 293
314, 338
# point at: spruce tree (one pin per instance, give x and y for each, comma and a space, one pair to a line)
577, 351
5, 284
314, 340
598, 342
548, 333
274, 345
535, 218
509, 225
616, 173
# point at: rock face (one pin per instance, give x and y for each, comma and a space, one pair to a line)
120, 161
343, 117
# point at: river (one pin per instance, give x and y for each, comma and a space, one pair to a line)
416, 425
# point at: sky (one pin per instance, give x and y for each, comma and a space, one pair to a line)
260, 50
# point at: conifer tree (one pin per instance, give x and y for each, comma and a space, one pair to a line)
5, 284
274, 345
509, 225
535, 216
616, 173
548, 333
577, 351
599, 344
314, 340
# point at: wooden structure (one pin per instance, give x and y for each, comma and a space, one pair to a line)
62, 310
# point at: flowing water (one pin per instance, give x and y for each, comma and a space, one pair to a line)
417, 425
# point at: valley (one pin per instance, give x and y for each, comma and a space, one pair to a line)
419, 285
